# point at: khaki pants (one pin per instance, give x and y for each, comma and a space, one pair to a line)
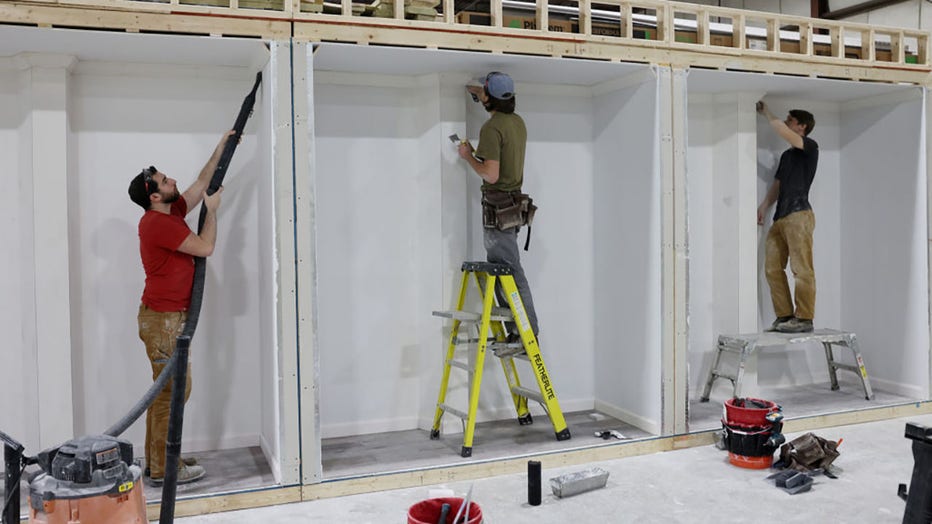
791, 237
158, 330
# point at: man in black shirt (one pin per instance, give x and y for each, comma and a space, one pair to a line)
790, 237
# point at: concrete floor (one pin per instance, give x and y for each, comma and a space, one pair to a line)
695, 485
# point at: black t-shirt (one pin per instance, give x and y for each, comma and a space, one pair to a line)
796, 170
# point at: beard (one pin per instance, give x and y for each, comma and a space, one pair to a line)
172, 198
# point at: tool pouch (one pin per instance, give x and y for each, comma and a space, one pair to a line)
502, 211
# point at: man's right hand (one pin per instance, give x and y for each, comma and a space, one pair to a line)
760, 216
212, 202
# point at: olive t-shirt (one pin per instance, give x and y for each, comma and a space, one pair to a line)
503, 138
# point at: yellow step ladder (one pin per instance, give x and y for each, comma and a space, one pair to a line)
493, 336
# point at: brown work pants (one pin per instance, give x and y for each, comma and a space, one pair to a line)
158, 330
791, 237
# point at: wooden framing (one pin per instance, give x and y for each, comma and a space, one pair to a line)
653, 31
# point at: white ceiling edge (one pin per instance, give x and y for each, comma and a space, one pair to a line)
525, 69
132, 48
701, 81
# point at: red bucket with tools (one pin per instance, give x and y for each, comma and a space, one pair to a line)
428, 511
751, 431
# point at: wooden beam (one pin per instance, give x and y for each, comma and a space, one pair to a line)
188, 23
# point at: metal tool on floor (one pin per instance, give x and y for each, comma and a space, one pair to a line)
492, 336
746, 345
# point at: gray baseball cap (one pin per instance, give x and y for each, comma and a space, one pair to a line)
500, 85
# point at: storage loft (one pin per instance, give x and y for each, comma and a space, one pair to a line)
681, 34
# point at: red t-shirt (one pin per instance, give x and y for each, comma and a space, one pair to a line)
169, 272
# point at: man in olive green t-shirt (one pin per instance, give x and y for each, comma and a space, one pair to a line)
499, 161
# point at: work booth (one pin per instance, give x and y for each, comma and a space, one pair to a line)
396, 212
870, 252
82, 113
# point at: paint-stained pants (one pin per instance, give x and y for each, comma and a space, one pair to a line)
501, 247
791, 237
158, 330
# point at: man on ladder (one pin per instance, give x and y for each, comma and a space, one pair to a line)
499, 161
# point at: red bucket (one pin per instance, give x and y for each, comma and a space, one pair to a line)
747, 413
428, 511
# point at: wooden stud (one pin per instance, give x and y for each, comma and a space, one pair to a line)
627, 23
805, 39
739, 35
585, 18
897, 48
702, 28
449, 9
665, 26
922, 41
542, 16
837, 35
495, 7
773, 35
399, 6
868, 49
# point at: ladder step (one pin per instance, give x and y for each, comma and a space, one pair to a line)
453, 411
460, 364
528, 393
498, 315
475, 341
849, 367
725, 375
506, 349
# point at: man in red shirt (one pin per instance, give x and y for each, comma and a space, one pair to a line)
168, 247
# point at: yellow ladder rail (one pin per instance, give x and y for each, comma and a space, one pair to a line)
491, 324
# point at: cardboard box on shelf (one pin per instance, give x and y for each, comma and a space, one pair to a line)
526, 22
513, 21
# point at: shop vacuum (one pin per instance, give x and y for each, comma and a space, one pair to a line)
86, 480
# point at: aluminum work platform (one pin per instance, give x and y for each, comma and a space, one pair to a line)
746, 345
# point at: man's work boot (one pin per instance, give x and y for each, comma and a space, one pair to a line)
188, 461
777, 322
795, 325
186, 474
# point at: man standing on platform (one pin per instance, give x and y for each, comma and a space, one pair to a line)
790, 236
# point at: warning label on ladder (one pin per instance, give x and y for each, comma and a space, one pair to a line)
522, 314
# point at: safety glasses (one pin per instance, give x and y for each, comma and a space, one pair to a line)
147, 177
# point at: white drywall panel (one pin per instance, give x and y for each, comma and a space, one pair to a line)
884, 293
709, 310
125, 117
17, 293
626, 256
377, 223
